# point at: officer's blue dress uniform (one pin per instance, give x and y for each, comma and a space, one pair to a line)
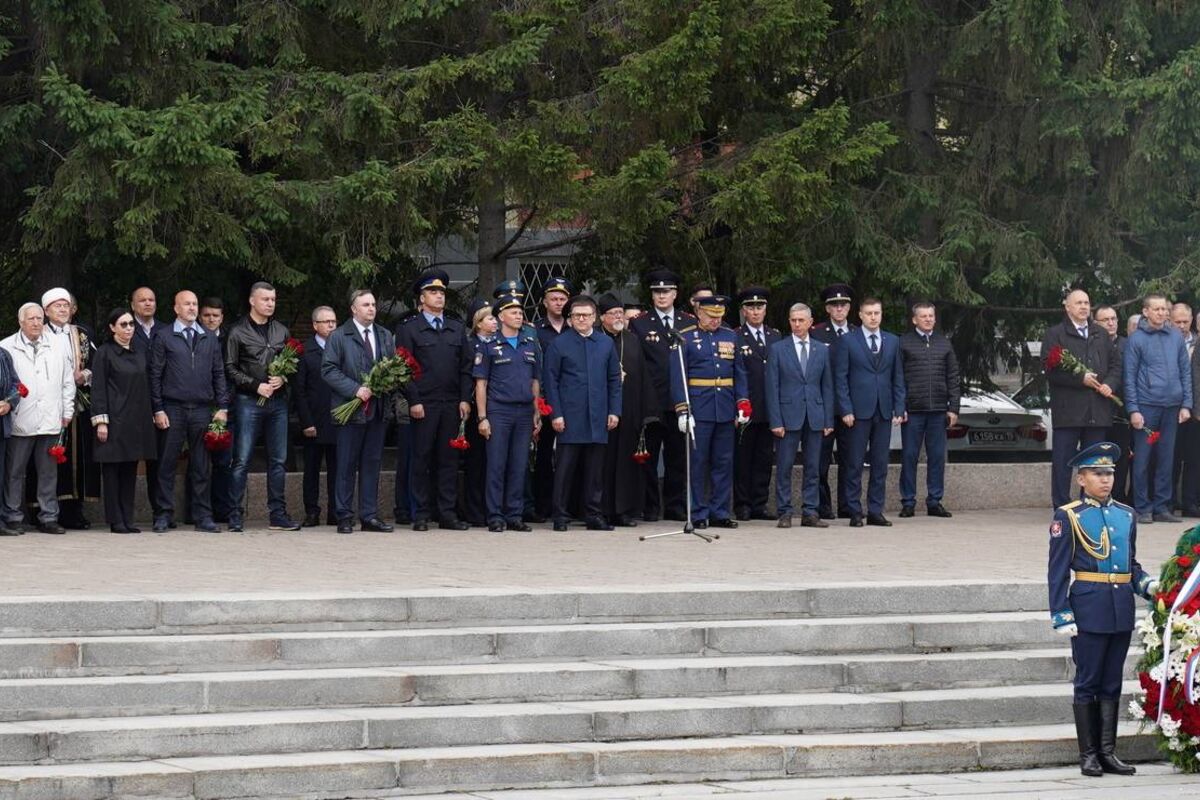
714, 381
510, 373
1096, 541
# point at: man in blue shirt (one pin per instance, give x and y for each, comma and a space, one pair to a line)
507, 379
582, 379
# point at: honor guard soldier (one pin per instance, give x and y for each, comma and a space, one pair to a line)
1095, 538
755, 449
713, 378
437, 401
836, 297
654, 330
507, 374
554, 299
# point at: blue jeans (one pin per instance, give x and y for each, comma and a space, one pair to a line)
272, 420
928, 427
785, 458
1156, 499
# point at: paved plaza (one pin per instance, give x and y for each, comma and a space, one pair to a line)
974, 545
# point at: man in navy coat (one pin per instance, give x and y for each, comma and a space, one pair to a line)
350, 353
799, 400
582, 381
868, 381
316, 423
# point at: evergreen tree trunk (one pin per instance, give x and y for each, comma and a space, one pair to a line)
920, 119
492, 238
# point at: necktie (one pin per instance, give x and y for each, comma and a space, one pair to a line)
758, 338
874, 344
804, 356
839, 332
1082, 331
437, 323
188, 335
925, 336
666, 321
367, 344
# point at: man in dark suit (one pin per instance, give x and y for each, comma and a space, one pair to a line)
799, 405
836, 298
437, 401
1080, 408
755, 446
312, 398
655, 330
869, 388
144, 305
350, 353
212, 317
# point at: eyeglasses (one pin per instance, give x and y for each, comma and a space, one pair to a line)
325, 322
583, 314
125, 324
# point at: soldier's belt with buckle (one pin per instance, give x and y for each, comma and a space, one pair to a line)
710, 381
1104, 577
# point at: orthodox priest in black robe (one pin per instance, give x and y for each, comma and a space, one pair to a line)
624, 480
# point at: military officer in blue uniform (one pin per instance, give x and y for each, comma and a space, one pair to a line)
714, 379
1095, 538
754, 452
555, 295
507, 375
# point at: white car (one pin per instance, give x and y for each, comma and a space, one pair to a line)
992, 422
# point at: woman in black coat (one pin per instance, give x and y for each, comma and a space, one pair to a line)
122, 419
473, 509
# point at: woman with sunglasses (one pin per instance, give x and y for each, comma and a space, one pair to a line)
122, 419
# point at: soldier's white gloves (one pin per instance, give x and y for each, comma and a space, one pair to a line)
686, 423
1067, 630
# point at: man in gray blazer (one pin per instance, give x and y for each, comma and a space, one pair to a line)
799, 389
350, 353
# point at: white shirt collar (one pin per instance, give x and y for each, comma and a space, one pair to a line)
797, 340
320, 340
361, 327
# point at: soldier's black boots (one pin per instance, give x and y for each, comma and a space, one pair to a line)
1087, 729
1108, 740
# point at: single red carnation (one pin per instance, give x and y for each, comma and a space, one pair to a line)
58, 453
1153, 437
744, 407
641, 457
460, 443
544, 408
1184, 561
22, 390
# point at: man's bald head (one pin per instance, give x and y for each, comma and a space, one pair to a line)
187, 306
1078, 307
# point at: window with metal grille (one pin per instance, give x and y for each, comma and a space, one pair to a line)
534, 274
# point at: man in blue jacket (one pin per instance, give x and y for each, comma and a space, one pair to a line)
9, 398
1158, 397
187, 381
799, 398
582, 381
868, 381
350, 353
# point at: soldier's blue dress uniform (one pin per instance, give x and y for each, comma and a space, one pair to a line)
510, 372
714, 380
1096, 541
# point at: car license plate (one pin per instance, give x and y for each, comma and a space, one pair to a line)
992, 437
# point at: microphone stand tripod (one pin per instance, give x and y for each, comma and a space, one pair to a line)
688, 527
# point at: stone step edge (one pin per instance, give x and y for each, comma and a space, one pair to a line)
22, 616
44, 741
493, 767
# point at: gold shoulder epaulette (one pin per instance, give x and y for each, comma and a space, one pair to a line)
688, 329
1071, 505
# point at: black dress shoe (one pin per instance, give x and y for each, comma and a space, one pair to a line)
624, 521
345, 526
159, 526
496, 527
760, 515
377, 525
118, 529
206, 526
519, 526
722, 523
420, 525
311, 520
743, 515
907, 511
560, 525
80, 524
454, 525
5, 530
649, 517
597, 524
235, 525
700, 525
827, 515
132, 529
52, 527
940, 511
813, 521
856, 520
879, 519
533, 516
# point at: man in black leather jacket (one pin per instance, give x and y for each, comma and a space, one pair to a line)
253, 341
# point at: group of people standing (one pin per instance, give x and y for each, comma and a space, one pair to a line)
568, 419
